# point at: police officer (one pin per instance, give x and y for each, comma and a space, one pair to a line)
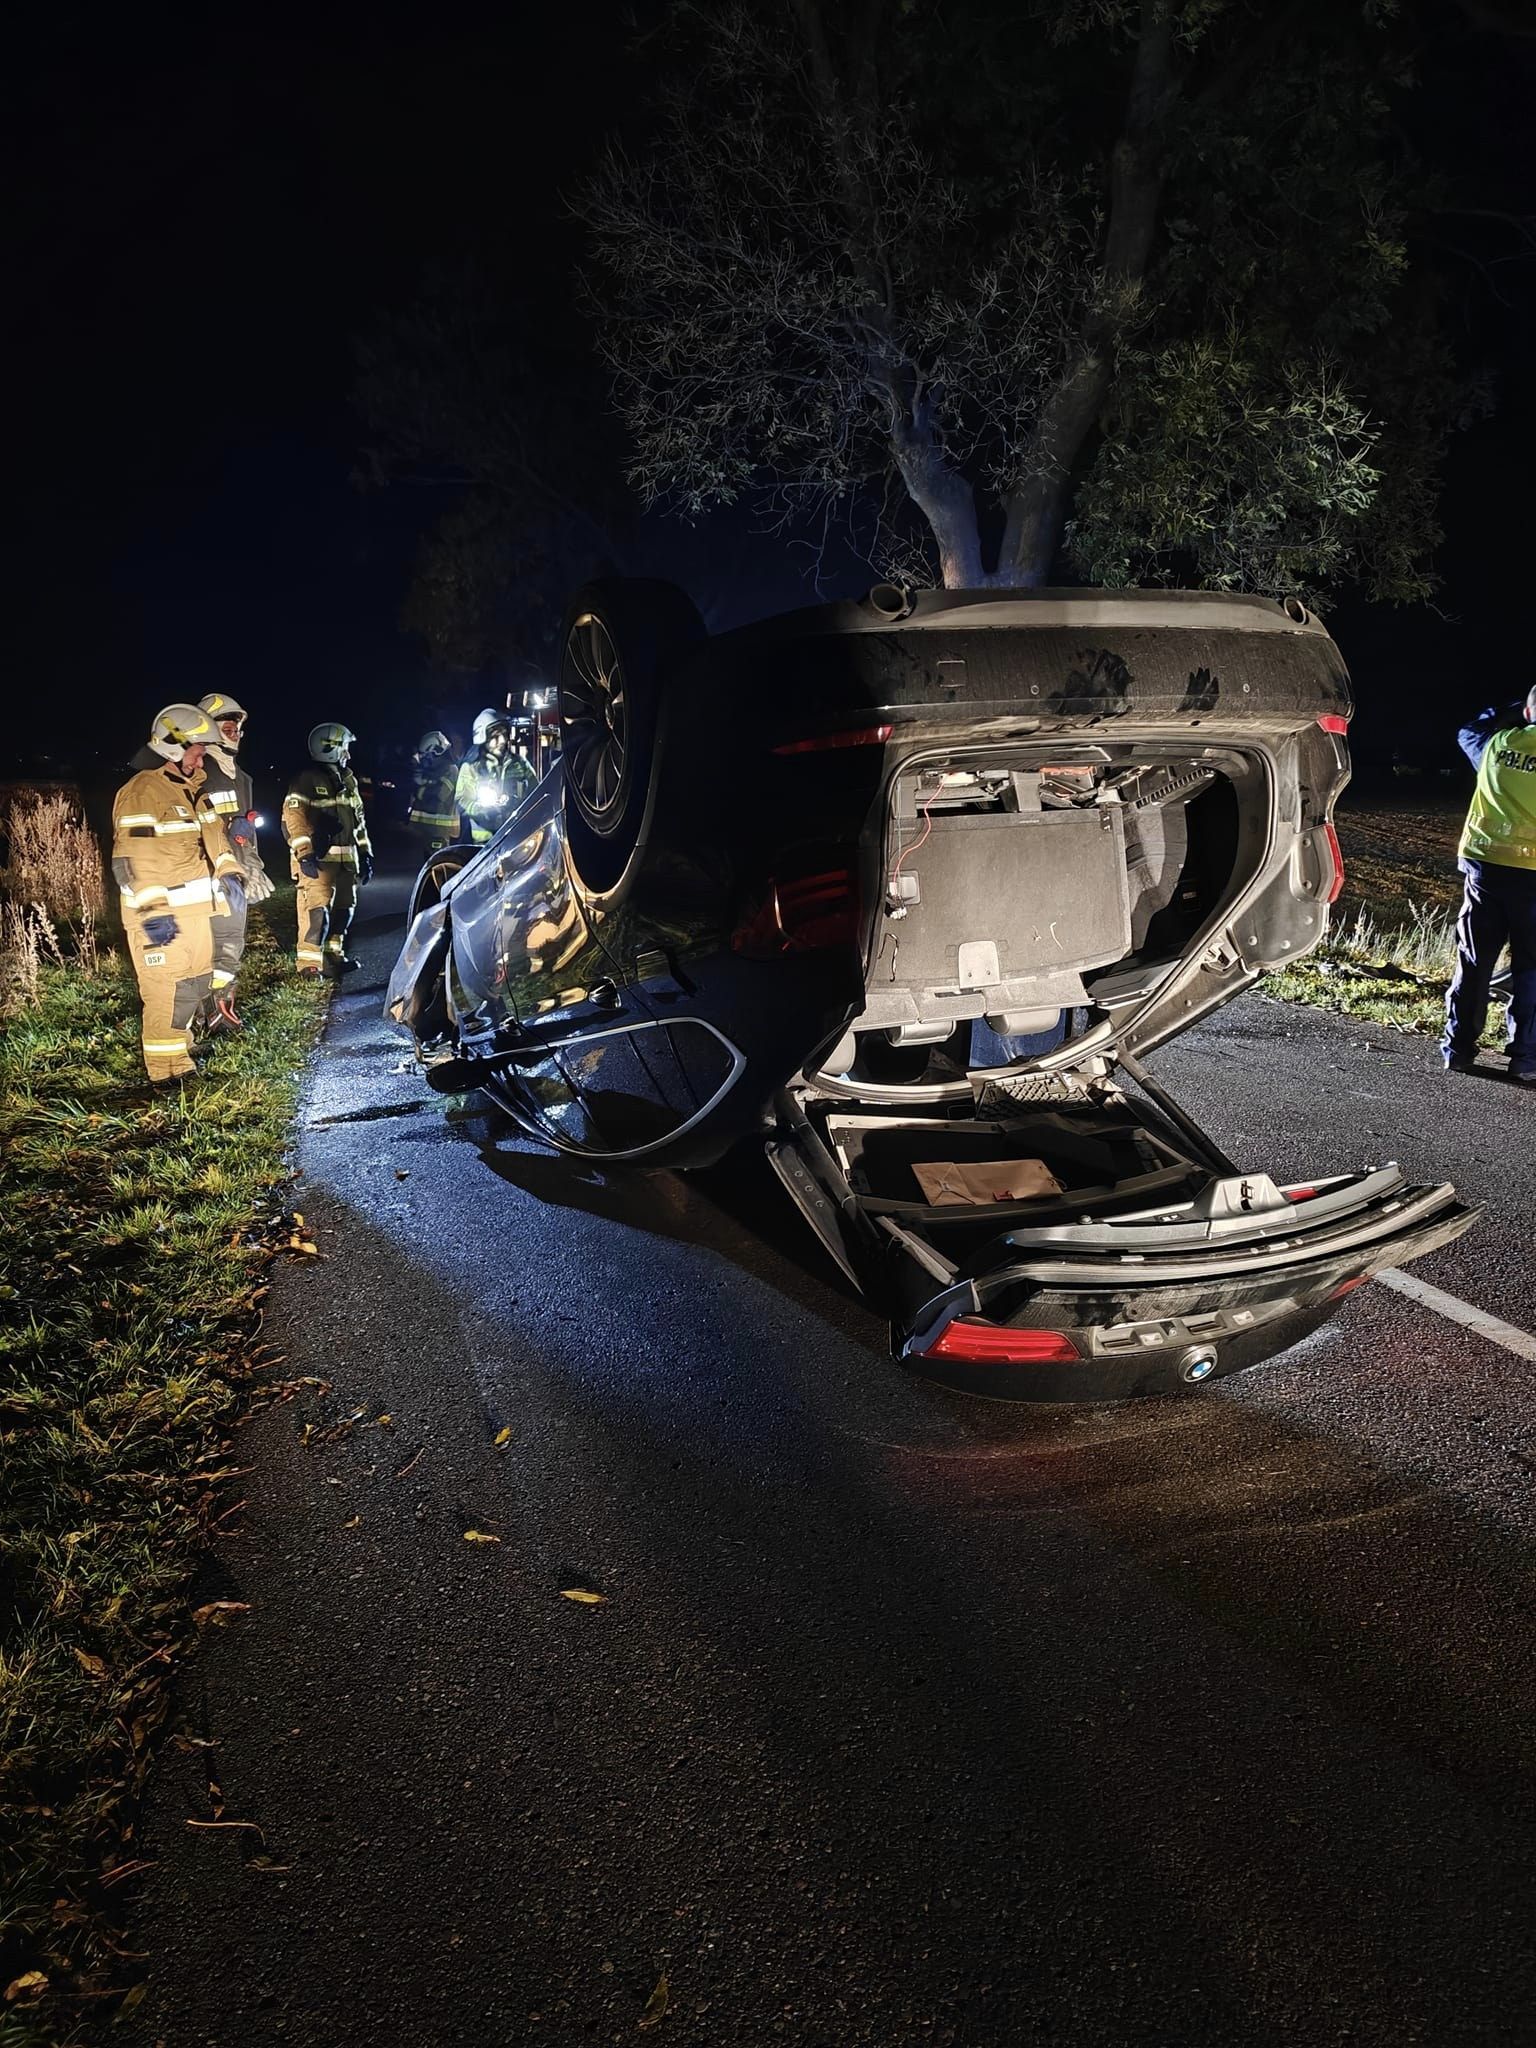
1498, 908
433, 816
492, 780
232, 794
175, 871
329, 846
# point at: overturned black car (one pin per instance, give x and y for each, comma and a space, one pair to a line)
908, 888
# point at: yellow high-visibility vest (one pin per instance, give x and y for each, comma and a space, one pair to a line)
1501, 823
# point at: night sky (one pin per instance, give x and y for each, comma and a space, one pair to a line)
213, 207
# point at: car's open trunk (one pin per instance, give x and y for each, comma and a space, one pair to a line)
974, 1150
1023, 882
1093, 1244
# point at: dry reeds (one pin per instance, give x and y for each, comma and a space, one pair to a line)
52, 858
52, 894
21, 958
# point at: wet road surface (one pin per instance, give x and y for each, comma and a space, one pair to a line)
906, 1718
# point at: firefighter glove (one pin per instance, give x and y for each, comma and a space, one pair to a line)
160, 931
234, 892
309, 868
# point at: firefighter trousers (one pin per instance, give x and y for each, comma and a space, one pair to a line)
325, 912
228, 944
174, 981
427, 836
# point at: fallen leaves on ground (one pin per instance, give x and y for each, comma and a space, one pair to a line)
218, 1611
480, 1536
503, 1437
30, 1984
656, 2005
584, 1596
299, 1239
93, 1665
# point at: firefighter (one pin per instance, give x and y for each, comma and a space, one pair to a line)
232, 794
433, 817
328, 844
1497, 858
175, 871
492, 779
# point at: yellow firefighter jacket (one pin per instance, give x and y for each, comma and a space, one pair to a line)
323, 816
432, 801
169, 846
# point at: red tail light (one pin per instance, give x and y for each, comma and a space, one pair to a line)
1337, 853
1348, 1286
975, 1342
1333, 721
868, 736
802, 914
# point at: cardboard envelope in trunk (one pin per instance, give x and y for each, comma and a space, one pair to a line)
948, 1184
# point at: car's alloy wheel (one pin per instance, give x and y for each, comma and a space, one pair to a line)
436, 874
594, 709
622, 640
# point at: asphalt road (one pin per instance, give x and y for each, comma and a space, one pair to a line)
906, 1718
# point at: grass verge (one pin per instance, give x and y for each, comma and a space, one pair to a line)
138, 1235
1391, 974
1391, 950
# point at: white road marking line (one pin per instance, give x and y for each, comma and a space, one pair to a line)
1477, 1320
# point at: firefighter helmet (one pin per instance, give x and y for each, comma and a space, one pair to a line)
178, 727
329, 743
1530, 708
221, 708
432, 744
485, 720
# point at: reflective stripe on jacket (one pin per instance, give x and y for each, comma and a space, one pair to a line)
432, 799
169, 845
1501, 823
323, 815
228, 787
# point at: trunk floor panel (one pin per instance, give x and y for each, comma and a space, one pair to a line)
1091, 1151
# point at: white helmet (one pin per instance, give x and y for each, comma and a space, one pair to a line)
1530, 708
485, 720
431, 744
221, 708
329, 743
178, 727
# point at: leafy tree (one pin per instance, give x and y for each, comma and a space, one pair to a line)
1125, 281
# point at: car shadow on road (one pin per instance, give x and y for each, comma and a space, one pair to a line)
736, 1208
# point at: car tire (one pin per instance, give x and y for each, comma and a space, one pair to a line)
621, 640
437, 871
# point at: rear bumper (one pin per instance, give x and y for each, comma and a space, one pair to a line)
1166, 1336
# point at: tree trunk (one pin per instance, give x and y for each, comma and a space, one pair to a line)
945, 499
1037, 509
